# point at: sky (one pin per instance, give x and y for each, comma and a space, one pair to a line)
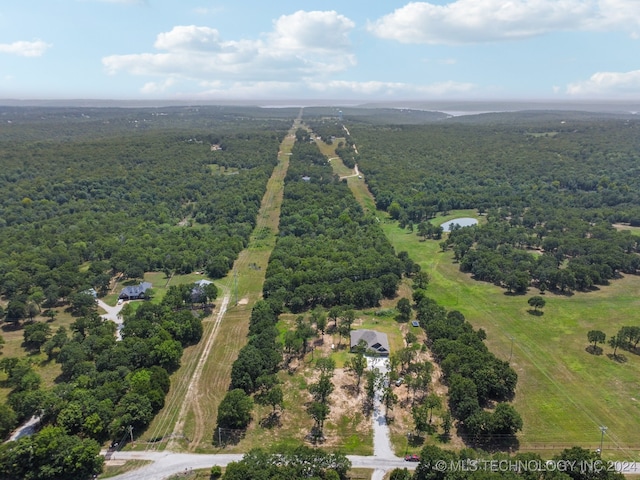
308, 49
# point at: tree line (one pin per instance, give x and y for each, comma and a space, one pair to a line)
328, 252
476, 378
106, 386
547, 186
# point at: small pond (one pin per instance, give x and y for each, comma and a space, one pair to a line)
463, 222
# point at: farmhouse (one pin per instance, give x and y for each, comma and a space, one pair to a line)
377, 342
197, 292
134, 292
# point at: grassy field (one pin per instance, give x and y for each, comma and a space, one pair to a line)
14, 337
564, 393
243, 285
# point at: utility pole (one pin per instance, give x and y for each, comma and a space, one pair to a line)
603, 429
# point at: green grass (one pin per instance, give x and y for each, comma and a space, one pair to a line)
14, 338
113, 470
564, 393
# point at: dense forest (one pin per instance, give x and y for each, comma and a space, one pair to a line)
328, 252
93, 194
551, 186
138, 198
89, 195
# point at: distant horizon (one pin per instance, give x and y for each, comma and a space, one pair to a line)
195, 51
449, 106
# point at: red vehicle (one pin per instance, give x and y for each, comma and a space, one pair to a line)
412, 458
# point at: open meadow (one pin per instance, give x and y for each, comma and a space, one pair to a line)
564, 393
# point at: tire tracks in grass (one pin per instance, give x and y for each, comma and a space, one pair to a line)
210, 378
192, 393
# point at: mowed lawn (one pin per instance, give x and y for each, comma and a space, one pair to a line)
564, 394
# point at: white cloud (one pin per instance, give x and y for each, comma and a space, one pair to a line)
158, 87
315, 31
301, 45
608, 84
25, 49
476, 21
189, 38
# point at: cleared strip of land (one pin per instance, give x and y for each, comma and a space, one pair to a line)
206, 371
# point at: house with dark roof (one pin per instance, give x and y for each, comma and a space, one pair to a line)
135, 292
376, 342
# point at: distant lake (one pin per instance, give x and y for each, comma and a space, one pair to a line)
463, 222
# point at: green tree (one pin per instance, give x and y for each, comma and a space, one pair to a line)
446, 424
82, 304
356, 365
304, 332
400, 474
581, 456
133, 409
235, 410
8, 420
536, 302
505, 420
617, 341
271, 395
36, 334
421, 280
16, 311
319, 411
50, 454
389, 400
404, 309
167, 354
595, 337
215, 473
431, 402
420, 414
210, 292
319, 318
334, 314
430, 455
631, 335
373, 378
423, 230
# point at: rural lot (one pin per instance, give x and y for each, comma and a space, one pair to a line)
254, 263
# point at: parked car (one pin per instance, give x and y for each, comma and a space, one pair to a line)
412, 458
399, 381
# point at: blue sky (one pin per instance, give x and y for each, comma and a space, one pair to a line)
334, 50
